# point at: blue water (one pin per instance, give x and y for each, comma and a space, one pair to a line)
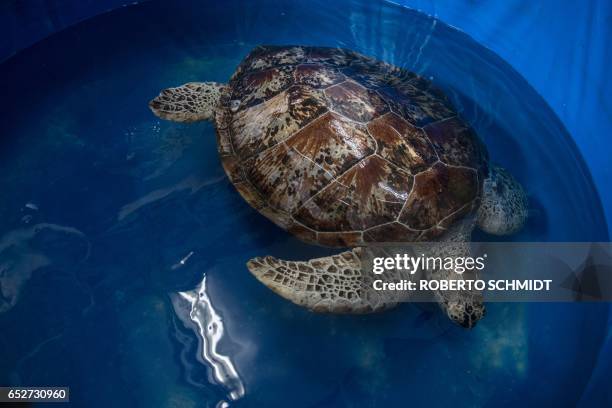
101, 201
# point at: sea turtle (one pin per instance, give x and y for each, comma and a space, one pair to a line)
343, 150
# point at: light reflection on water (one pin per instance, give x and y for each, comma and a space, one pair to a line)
197, 313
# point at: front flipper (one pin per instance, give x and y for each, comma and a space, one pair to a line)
191, 102
333, 284
338, 284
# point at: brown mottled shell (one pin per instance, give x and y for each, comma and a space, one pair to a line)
341, 149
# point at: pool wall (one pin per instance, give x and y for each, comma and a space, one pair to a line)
564, 50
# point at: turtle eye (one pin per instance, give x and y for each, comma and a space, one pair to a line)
234, 105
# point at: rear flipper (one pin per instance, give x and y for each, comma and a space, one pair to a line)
191, 102
333, 284
503, 208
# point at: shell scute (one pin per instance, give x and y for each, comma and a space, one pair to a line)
401, 143
336, 57
340, 239
267, 56
456, 143
374, 74
439, 192
285, 178
256, 87
370, 193
317, 76
415, 105
392, 232
332, 136
355, 101
265, 125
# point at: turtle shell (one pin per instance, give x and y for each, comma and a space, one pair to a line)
341, 149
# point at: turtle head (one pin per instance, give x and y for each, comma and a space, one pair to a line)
191, 102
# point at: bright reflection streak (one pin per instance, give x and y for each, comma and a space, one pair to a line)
196, 311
